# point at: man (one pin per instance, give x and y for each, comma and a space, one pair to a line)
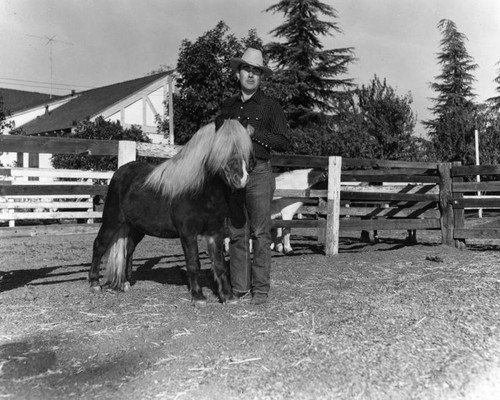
251, 207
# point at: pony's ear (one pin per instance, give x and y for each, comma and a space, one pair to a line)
250, 130
244, 122
219, 121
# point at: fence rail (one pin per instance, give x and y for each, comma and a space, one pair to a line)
36, 194
361, 194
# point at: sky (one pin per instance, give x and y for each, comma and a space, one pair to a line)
101, 42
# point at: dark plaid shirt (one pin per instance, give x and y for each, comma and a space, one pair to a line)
267, 118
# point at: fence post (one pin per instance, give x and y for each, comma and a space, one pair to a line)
12, 222
445, 203
333, 216
127, 151
458, 213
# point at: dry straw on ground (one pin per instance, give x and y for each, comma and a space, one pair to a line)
383, 321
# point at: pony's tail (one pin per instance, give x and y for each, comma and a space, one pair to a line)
116, 261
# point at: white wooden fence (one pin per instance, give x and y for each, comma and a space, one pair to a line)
49, 207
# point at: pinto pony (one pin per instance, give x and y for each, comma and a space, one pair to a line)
285, 208
184, 197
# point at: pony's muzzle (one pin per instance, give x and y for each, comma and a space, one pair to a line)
236, 174
244, 177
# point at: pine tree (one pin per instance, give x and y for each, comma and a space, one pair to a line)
452, 129
495, 101
308, 80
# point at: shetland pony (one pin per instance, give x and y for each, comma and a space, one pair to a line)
184, 197
285, 208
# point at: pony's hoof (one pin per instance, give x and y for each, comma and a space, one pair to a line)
95, 288
198, 299
279, 248
224, 299
200, 303
126, 286
288, 252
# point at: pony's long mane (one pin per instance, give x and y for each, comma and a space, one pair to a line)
202, 157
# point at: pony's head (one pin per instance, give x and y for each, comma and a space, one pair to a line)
225, 152
232, 148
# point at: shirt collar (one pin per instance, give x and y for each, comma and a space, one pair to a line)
257, 97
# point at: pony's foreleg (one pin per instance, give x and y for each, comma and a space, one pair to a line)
98, 251
190, 248
219, 266
134, 238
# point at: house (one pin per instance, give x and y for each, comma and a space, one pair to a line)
135, 102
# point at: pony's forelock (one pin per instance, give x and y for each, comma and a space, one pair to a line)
231, 140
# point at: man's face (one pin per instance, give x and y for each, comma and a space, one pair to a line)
250, 78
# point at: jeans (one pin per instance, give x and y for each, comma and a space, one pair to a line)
250, 218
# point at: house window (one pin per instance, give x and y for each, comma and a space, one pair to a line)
20, 160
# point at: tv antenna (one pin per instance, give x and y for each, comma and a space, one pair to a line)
50, 42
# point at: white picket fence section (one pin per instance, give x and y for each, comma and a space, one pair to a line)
49, 207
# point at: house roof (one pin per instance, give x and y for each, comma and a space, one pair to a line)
19, 100
88, 104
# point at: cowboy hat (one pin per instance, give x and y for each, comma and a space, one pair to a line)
252, 57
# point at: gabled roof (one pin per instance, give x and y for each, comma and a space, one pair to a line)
19, 100
88, 104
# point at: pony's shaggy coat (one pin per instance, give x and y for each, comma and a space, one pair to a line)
185, 197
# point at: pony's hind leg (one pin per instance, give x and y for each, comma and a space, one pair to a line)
287, 213
219, 266
134, 238
190, 247
287, 247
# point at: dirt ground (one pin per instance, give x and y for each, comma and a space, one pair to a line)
378, 321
